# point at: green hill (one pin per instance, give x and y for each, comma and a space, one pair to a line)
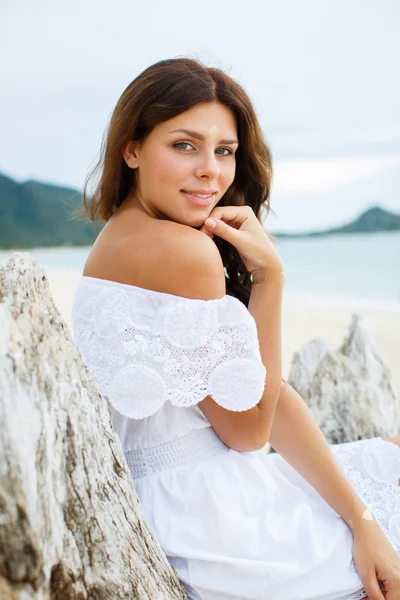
34, 214
374, 219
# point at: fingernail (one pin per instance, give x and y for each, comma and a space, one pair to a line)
211, 223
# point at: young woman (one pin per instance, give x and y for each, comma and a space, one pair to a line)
178, 316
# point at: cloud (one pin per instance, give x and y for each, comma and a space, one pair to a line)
296, 177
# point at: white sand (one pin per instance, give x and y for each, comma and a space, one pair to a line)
302, 322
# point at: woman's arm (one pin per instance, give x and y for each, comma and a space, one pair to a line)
297, 438
265, 306
249, 430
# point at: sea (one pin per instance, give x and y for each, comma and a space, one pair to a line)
358, 270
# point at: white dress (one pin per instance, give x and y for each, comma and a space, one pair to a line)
235, 525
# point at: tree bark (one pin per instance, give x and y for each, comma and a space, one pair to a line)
71, 524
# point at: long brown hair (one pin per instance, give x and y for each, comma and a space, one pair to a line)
161, 92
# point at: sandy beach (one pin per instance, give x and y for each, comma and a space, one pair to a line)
302, 322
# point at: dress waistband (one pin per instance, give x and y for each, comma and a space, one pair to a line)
195, 446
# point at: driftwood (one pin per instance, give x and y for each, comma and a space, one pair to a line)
71, 525
349, 390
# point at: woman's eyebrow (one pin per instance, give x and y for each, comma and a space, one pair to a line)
201, 137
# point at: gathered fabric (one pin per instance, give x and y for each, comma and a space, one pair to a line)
235, 525
198, 445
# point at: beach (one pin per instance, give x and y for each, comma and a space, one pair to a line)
302, 321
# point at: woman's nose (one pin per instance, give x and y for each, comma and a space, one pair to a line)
208, 166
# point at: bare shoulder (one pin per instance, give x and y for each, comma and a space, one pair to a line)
186, 262
163, 256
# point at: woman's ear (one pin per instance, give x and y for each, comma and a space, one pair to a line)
131, 155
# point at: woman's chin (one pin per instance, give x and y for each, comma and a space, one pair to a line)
200, 223
196, 221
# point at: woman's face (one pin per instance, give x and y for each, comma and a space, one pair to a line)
175, 166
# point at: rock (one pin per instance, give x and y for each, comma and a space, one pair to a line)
348, 390
71, 524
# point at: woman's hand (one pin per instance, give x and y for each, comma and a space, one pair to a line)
239, 226
377, 563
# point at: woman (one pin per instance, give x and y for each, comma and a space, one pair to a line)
178, 315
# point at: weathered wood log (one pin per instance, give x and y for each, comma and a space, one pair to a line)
71, 524
349, 390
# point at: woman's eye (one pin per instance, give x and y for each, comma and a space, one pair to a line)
180, 144
228, 150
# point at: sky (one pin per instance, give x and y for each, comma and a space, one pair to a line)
323, 76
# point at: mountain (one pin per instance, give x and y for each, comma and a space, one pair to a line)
34, 214
374, 219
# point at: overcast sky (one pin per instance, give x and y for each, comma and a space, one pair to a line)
323, 76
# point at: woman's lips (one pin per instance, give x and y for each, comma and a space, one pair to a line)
196, 201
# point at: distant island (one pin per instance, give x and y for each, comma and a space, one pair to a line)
35, 214
374, 219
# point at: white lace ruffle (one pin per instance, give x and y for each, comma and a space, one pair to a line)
145, 347
373, 469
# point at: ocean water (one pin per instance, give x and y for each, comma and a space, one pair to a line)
353, 269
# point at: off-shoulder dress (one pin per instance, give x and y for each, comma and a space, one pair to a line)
235, 525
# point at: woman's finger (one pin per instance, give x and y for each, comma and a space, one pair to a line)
232, 214
373, 589
207, 231
223, 230
393, 590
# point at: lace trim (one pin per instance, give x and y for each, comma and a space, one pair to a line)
144, 349
359, 595
373, 468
